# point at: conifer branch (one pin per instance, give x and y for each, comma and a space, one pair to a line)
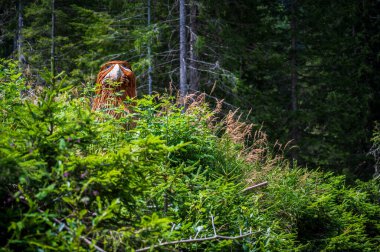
64, 226
87, 241
191, 240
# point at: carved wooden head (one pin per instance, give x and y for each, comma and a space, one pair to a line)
114, 84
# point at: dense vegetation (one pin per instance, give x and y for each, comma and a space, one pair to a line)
289, 160
308, 70
74, 180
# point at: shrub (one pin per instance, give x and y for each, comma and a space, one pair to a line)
74, 180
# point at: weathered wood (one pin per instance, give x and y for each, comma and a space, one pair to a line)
255, 186
182, 47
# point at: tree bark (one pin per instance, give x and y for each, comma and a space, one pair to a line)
52, 52
182, 48
193, 65
294, 75
20, 25
149, 53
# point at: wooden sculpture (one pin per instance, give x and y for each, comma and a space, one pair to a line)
115, 82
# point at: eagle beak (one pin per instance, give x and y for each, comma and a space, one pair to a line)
115, 74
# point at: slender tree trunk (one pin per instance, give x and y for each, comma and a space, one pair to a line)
52, 52
149, 54
19, 34
182, 49
294, 75
193, 65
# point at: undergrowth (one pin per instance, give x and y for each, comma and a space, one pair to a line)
75, 180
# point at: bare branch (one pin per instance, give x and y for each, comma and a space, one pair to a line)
194, 240
213, 225
191, 240
255, 186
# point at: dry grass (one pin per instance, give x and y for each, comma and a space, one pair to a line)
255, 147
249, 140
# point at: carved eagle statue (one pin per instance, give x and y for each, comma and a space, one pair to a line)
115, 82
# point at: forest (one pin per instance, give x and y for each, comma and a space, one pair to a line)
256, 126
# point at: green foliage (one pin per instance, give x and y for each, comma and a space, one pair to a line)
245, 59
10, 102
70, 175
328, 215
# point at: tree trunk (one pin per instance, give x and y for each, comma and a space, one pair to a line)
20, 25
149, 54
182, 49
52, 52
294, 76
193, 65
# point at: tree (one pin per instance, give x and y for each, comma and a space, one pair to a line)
306, 69
149, 53
21, 58
193, 53
182, 48
52, 52
294, 74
